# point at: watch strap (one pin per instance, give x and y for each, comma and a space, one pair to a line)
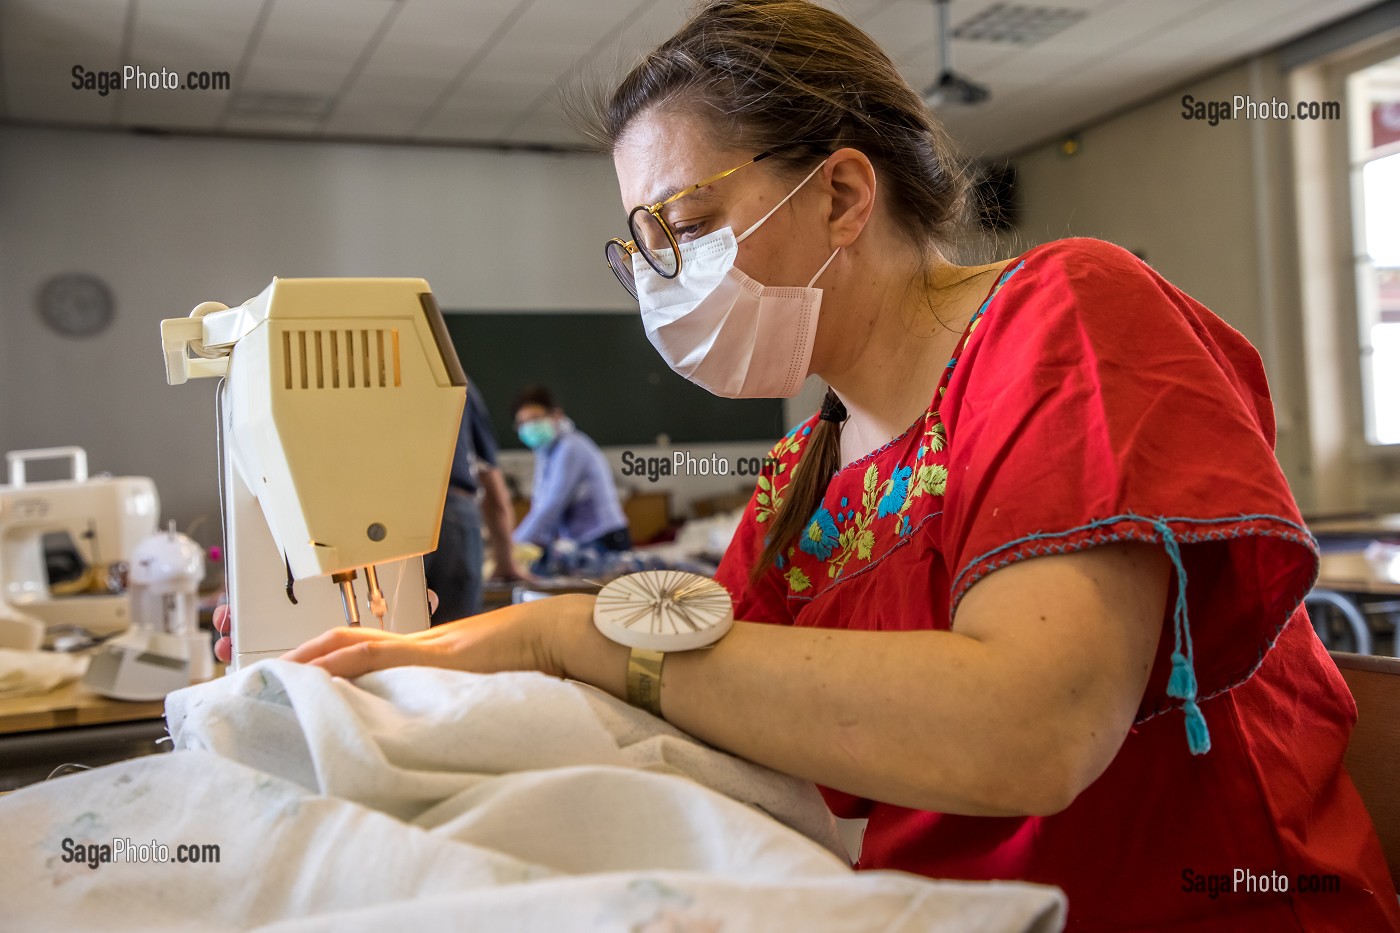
644, 679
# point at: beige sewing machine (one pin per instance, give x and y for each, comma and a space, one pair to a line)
95, 521
338, 416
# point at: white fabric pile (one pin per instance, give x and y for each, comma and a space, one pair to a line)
426, 799
30, 673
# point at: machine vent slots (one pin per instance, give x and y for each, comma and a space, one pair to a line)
322, 359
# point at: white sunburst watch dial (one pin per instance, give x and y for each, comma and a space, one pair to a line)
664, 610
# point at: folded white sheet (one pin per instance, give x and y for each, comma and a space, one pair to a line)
426, 799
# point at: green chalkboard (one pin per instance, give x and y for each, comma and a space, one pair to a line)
606, 376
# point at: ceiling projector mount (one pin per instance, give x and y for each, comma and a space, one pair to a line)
950, 87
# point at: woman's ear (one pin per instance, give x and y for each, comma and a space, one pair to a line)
850, 178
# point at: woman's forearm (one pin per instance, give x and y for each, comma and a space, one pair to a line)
917, 719
1014, 713
911, 718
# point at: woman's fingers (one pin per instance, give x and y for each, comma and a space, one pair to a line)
334, 640
344, 652
223, 645
509, 639
350, 652
366, 656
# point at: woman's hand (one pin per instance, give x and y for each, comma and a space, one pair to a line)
223, 622
524, 637
555, 636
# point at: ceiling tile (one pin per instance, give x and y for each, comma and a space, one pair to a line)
40, 45
309, 46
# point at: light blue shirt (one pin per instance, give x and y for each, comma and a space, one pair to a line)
574, 496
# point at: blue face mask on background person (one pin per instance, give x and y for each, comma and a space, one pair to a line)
537, 433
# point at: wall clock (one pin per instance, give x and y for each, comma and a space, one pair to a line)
76, 304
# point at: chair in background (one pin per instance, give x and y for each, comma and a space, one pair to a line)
1338, 621
1373, 757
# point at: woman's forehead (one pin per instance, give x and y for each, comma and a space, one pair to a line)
661, 154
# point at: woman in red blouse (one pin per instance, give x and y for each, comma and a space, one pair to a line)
1026, 594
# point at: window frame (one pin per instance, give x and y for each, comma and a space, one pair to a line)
1330, 253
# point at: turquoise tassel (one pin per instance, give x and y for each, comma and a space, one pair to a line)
1197, 735
1182, 684
1183, 681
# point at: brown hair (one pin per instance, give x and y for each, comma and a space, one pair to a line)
533, 395
797, 78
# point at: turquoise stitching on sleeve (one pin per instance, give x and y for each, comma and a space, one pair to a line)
1182, 684
1303, 537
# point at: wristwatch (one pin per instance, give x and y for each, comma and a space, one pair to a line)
657, 611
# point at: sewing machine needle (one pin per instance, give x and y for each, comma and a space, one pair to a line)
377, 605
347, 597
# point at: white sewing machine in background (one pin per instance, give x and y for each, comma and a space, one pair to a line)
338, 417
103, 518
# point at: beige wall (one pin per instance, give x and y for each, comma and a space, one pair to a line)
1212, 208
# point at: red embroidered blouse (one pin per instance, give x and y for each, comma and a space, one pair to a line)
1090, 401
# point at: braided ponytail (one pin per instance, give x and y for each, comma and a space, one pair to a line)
805, 490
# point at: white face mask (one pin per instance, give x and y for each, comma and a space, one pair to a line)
722, 330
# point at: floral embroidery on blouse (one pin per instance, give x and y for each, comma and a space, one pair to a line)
841, 531
852, 532
769, 491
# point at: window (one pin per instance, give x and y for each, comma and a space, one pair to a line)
1373, 96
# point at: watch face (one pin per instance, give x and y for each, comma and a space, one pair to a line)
664, 610
76, 304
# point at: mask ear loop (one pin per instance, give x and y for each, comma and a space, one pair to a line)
823, 268
740, 237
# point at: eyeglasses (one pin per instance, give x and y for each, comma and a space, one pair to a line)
652, 235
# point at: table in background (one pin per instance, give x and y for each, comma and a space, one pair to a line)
494, 595
1356, 526
73, 724
1353, 589
1352, 572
